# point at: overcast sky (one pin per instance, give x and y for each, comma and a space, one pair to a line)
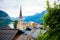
29, 7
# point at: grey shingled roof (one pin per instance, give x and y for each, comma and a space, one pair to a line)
8, 34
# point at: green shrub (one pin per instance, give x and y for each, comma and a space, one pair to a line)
52, 19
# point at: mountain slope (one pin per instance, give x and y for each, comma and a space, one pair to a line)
36, 18
4, 19
17, 18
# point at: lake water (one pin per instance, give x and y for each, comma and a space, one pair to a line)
11, 25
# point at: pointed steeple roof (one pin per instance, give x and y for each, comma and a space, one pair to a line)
20, 16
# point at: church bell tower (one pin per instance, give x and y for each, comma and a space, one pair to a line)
20, 21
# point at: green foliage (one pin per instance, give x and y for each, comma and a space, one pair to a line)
15, 23
51, 19
41, 18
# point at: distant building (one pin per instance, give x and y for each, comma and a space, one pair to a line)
32, 24
23, 25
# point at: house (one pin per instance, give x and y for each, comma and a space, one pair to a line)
7, 33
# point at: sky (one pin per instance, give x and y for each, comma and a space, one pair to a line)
29, 7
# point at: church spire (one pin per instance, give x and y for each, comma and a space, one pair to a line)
20, 22
20, 16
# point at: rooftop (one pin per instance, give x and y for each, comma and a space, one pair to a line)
9, 34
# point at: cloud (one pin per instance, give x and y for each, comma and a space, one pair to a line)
1, 0
11, 7
6, 4
29, 7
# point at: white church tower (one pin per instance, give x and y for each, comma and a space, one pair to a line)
20, 21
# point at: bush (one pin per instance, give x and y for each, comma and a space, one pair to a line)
52, 18
15, 23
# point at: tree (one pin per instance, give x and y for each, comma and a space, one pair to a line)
15, 23
52, 18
